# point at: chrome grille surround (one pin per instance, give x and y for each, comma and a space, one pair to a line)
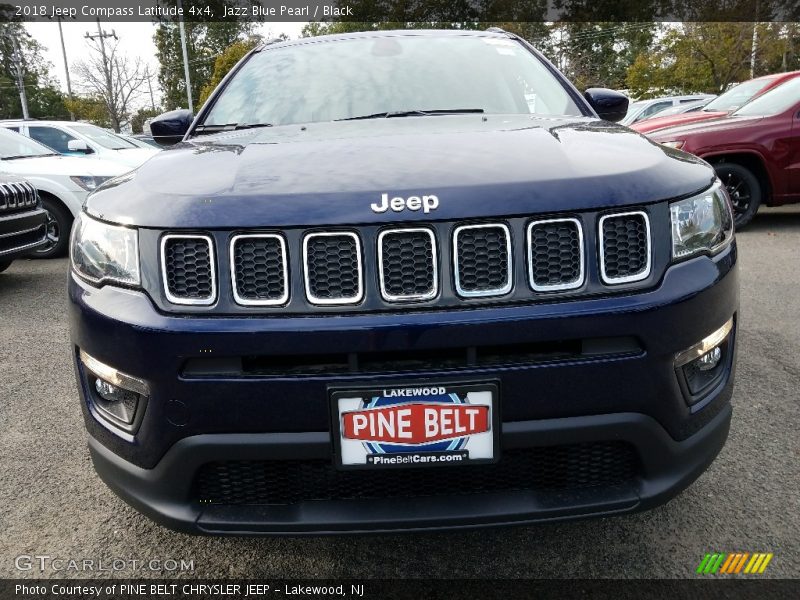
212, 264
285, 264
355, 299
498, 291
638, 276
559, 287
434, 291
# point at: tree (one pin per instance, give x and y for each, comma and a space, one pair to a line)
205, 41
111, 76
224, 63
89, 108
45, 100
141, 116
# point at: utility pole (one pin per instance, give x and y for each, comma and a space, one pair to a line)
101, 35
23, 97
185, 59
150, 87
66, 66
753, 49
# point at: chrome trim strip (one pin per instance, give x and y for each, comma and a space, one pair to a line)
558, 286
25, 247
628, 278
706, 345
285, 263
189, 301
483, 293
409, 297
333, 301
13, 233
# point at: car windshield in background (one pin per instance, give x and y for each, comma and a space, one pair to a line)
14, 145
773, 102
103, 137
385, 76
735, 97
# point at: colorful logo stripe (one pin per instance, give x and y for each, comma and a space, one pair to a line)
734, 563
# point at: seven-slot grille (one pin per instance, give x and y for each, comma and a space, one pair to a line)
259, 269
624, 247
188, 269
555, 255
332, 268
482, 256
17, 196
407, 264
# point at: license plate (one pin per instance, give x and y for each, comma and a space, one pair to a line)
415, 426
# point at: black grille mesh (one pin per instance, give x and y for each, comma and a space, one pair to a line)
555, 253
332, 267
187, 262
482, 259
408, 263
17, 197
542, 468
259, 268
625, 246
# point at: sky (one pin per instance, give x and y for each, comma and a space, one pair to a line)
136, 40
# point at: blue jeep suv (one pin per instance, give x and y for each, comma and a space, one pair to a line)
403, 281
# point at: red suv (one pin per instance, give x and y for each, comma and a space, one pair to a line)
755, 150
721, 106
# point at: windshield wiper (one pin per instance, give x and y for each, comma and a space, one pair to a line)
415, 113
18, 156
204, 129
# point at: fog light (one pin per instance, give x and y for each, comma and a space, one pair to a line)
118, 397
704, 346
710, 360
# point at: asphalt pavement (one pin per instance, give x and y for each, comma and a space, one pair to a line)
52, 504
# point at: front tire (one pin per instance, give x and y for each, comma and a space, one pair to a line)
744, 190
59, 223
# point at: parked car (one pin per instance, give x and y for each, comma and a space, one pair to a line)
62, 182
143, 140
755, 150
420, 284
82, 139
22, 220
644, 109
723, 105
679, 109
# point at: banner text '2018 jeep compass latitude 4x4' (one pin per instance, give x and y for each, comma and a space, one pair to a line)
403, 280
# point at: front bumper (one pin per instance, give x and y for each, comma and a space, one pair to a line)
21, 233
190, 421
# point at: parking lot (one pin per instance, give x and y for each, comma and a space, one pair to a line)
51, 502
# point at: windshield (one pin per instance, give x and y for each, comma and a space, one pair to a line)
103, 137
333, 80
15, 145
736, 96
773, 102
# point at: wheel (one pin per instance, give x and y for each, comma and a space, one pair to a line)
4, 264
59, 222
743, 188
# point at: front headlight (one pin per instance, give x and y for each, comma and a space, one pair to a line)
702, 223
677, 144
105, 253
89, 182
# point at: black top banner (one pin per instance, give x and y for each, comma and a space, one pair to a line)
435, 12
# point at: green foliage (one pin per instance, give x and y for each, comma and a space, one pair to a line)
224, 63
140, 116
89, 108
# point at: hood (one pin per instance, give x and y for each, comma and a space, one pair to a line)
649, 125
712, 126
62, 165
132, 157
330, 173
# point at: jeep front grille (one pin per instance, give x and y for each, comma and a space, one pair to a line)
624, 247
482, 260
259, 269
435, 264
333, 268
17, 197
188, 269
555, 255
407, 264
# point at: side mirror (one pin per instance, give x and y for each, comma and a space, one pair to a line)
169, 128
78, 146
608, 104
